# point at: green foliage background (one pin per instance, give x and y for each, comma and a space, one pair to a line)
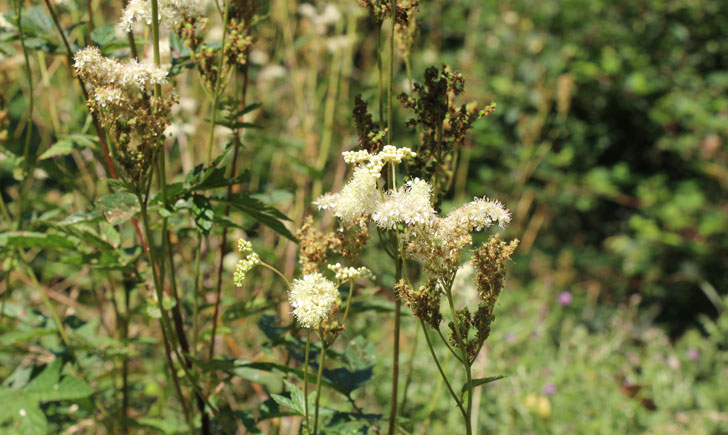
608, 144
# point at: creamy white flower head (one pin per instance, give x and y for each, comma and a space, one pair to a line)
409, 205
99, 71
312, 297
344, 274
474, 216
359, 197
170, 12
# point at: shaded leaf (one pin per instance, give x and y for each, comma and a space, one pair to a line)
118, 207
31, 239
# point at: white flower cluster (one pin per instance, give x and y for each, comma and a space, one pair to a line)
312, 298
375, 162
475, 216
170, 12
101, 71
359, 197
344, 274
409, 205
246, 264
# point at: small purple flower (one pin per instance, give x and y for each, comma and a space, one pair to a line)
510, 337
565, 299
693, 354
549, 389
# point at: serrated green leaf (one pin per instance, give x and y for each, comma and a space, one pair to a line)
261, 212
286, 403
118, 207
202, 213
61, 148
31, 420
79, 217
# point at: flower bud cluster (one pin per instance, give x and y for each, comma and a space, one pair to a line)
246, 264
344, 274
375, 162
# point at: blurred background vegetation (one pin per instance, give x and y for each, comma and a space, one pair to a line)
608, 145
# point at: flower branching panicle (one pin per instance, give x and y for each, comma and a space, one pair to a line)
444, 125
489, 263
314, 246
371, 139
405, 32
424, 302
121, 95
240, 38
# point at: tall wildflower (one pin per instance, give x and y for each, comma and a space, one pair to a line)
121, 94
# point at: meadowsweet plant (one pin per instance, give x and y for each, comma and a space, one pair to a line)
314, 298
437, 244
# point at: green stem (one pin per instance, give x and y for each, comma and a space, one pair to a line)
305, 380
29, 129
318, 388
442, 372
398, 258
168, 336
408, 378
465, 358
197, 290
216, 92
277, 272
348, 302
380, 71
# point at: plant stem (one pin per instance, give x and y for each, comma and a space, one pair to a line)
442, 372
196, 300
380, 71
318, 388
305, 380
398, 259
166, 325
216, 92
29, 127
348, 302
408, 378
465, 359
